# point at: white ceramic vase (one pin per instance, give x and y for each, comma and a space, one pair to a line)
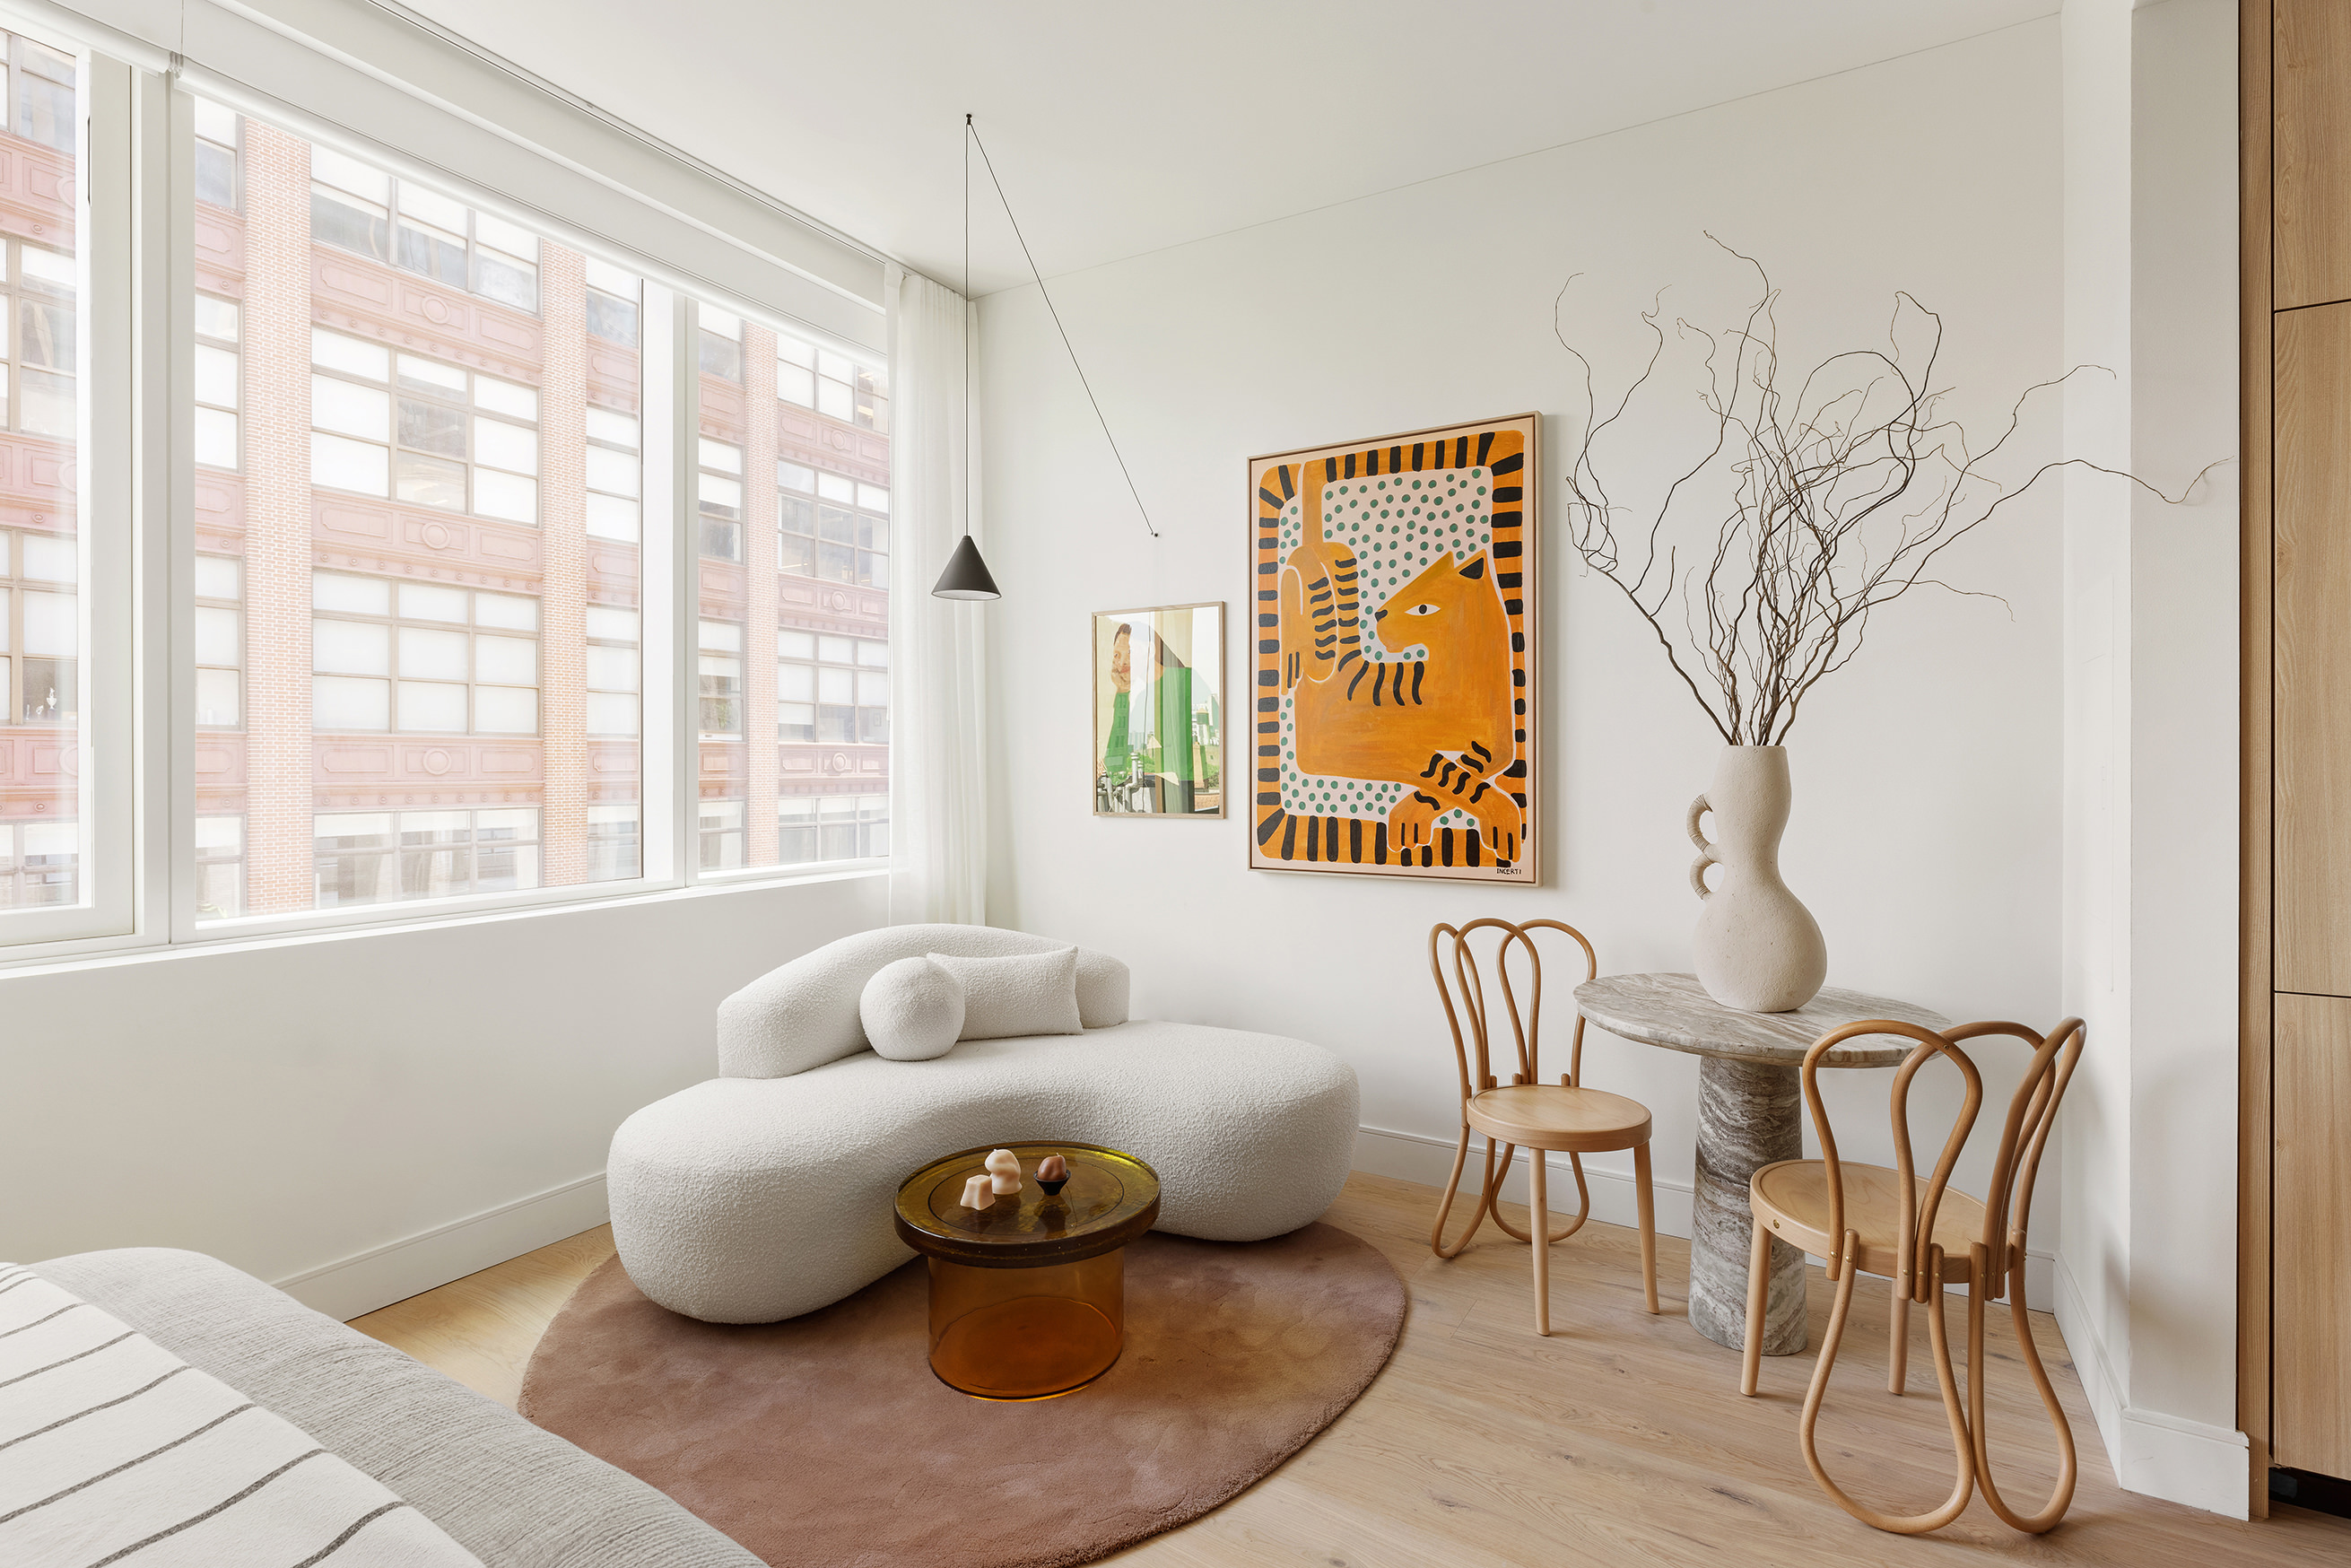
1759, 948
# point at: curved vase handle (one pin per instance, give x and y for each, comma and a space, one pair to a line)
1698, 808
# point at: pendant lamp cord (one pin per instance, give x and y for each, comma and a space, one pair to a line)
972, 131
967, 135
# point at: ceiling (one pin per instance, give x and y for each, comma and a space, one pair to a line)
1118, 129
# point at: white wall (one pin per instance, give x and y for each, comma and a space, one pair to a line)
1927, 828
2151, 743
363, 1115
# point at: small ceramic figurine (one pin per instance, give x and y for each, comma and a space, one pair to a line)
1004, 1165
979, 1192
1052, 1175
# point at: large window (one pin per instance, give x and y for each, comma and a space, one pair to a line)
401, 585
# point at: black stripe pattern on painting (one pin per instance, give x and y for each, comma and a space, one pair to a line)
1356, 841
1511, 465
1461, 452
1273, 819
1288, 489
1270, 498
1289, 837
1485, 445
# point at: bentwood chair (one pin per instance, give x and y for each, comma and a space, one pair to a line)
1526, 1113
1867, 1220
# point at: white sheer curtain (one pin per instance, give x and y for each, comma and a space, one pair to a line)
938, 790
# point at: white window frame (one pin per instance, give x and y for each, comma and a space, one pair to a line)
111, 752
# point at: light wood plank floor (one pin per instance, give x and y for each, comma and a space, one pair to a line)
1620, 1440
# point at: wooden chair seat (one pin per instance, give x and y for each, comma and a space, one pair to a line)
1555, 1117
1792, 1198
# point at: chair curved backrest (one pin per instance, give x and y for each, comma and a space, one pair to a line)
1458, 945
2031, 1112
1917, 1214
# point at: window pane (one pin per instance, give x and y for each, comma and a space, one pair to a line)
215, 438
351, 648
48, 405
612, 669
432, 706
431, 481
620, 429
430, 601
508, 661
504, 445
505, 397
615, 473
217, 577
52, 625
49, 557
348, 410
216, 318
215, 376
505, 710
507, 496
506, 611
614, 321
611, 713
427, 654
216, 174
431, 427
333, 351
607, 622
610, 518
219, 636
359, 595
216, 698
339, 703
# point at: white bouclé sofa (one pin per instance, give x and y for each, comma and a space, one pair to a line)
766, 1193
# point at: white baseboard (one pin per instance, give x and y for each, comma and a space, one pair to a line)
2154, 1453
398, 1270
1416, 1156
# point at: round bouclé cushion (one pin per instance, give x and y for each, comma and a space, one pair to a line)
912, 1009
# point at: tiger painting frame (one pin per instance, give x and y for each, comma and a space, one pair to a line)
1423, 766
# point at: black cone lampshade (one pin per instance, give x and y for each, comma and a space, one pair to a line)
966, 576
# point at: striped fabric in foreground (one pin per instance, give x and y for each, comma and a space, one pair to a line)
113, 1450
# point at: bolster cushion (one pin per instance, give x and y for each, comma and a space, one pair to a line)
805, 1013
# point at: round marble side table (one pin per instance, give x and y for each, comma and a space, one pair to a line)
1750, 1112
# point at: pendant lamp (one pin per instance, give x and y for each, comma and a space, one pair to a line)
967, 575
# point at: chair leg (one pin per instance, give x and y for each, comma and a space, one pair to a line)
1898, 1349
1648, 1223
1539, 1229
2060, 1496
1445, 1204
1963, 1453
1758, 1291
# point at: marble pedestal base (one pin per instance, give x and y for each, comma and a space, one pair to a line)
1748, 1114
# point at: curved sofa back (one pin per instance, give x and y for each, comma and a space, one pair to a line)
804, 1014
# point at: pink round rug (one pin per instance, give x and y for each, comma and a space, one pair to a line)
826, 1442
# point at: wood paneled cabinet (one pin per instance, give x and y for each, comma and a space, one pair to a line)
2295, 1369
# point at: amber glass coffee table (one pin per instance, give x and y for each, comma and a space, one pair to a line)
1028, 1296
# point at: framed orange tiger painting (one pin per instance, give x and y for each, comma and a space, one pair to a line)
1392, 598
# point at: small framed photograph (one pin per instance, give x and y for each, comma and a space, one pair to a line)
1159, 711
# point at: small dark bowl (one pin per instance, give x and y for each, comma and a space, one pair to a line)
1053, 1188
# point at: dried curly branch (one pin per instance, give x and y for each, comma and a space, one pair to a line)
1844, 485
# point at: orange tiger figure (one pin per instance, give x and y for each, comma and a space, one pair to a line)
1441, 726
